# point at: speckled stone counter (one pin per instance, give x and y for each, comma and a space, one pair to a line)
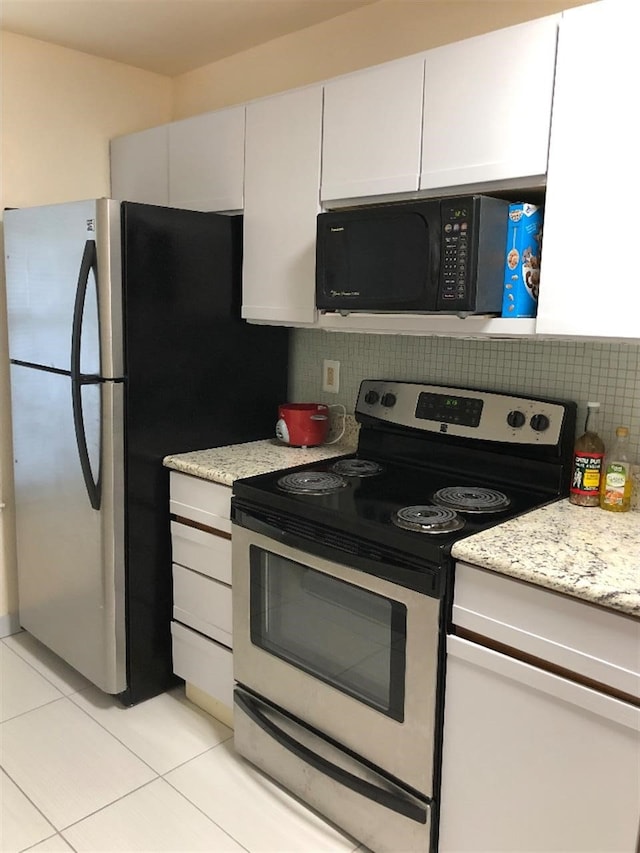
229, 463
583, 552
234, 461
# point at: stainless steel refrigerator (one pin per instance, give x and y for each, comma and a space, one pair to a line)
126, 344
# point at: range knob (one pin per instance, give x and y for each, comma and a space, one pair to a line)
539, 423
371, 397
388, 400
516, 419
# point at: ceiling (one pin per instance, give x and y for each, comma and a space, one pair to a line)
168, 37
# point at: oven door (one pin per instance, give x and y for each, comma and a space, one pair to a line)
347, 653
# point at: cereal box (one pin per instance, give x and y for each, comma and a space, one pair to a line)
522, 261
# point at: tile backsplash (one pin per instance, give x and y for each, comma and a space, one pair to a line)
566, 370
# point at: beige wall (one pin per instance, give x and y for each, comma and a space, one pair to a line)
59, 110
370, 35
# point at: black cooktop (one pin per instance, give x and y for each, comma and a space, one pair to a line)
364, 506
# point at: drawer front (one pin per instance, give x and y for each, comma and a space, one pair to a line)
596, 643
200, 500
205, 552
203, 603
203, 663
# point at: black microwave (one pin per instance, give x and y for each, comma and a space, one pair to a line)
438, 255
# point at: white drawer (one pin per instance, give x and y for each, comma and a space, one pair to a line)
200, 500
203, 603
581, 637
205, 552
203, 663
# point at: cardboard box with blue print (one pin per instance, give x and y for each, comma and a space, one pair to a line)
522, 261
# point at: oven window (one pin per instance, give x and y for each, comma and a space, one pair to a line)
342, 634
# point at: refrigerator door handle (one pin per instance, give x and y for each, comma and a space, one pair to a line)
93, 485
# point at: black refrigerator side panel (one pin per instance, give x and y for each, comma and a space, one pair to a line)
197, 376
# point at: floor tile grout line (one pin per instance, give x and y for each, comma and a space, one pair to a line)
28, 798
36, 844
196, 806
193, 757
57, 829
63, 829
35, 669
32, 710
131, 750
115, 737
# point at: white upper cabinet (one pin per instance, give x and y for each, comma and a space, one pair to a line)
372, 131
206, 161
140, 166
592, 179
487, 107
281, 203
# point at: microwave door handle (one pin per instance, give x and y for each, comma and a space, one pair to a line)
360, 786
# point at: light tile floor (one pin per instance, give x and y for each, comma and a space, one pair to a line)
80, 772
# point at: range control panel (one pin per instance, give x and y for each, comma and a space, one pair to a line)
482, 415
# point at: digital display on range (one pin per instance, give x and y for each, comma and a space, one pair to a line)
447, 408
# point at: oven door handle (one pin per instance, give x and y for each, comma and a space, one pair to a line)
360, 786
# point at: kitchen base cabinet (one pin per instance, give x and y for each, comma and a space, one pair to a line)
533, 762
537, 756
212, 706
204, 663
201, 629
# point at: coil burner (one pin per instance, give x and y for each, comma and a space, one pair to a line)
471, 499
311, 483
357, 468
427, 519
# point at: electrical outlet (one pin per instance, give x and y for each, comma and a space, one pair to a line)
331, 376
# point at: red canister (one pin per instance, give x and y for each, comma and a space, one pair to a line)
302, 424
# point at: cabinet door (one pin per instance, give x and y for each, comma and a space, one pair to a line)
282, 182
140, 166
532, 761
203, 663
200, 500
206, 161
372, 131
487, 107
588, 277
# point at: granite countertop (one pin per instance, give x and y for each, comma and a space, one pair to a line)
234, 461
583, 552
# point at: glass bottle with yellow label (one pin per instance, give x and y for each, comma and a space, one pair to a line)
615, 485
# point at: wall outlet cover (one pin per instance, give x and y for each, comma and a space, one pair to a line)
331, 376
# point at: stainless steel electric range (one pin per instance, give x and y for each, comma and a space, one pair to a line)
342, 585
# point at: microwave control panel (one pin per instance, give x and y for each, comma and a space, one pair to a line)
454, 249
473, 242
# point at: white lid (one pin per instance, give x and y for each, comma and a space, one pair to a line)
593, 405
